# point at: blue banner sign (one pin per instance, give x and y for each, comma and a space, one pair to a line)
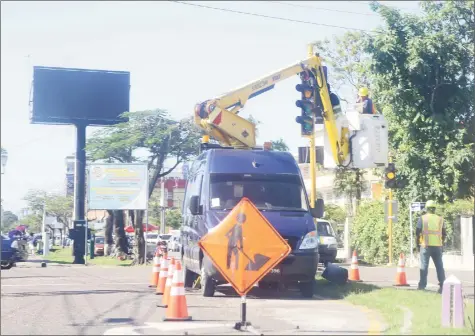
117, 186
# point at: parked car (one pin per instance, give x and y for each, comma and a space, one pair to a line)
328, 246
13, 250
174, 242
99, 245
151, 237
163, 237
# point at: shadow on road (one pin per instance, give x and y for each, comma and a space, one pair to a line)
331, 291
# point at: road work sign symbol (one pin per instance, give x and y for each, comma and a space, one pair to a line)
244, 247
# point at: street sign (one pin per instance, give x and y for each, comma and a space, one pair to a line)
394, 211
418, 206
244, 247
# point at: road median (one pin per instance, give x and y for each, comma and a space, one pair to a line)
424, 306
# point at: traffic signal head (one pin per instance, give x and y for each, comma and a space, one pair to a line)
307, 125
305, 89
390, 176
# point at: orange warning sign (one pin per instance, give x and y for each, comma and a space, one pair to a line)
244, 247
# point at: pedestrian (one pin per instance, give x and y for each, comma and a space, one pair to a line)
430, 235
368, 105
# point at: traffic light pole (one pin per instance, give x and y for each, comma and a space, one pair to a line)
390, 223
313, 159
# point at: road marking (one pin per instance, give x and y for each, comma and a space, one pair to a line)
75, 284
375, 327
163, 326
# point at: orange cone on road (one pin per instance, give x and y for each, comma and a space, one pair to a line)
155, 271
163, 275
177, 309
354, 270
401, 272
168, 284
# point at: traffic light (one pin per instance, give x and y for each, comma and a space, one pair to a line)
390, 176
306, 103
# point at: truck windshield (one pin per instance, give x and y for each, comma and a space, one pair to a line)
267, 191
324, 229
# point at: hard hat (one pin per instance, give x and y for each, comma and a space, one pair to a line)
364, 92
430, 204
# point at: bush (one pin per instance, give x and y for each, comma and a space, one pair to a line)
369, 231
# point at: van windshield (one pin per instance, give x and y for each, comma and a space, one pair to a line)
267, 191
324, 229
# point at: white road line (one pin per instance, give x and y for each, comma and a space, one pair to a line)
76, 284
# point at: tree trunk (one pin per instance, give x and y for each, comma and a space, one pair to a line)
139, 237
119, 232
358, 189
108, 237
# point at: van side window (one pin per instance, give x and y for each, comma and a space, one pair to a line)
193, 188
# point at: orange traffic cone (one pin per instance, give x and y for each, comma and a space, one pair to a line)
155, 271
168, 284
401, 272
163, 275
354, 271
177, 309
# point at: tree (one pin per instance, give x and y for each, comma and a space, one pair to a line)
58, 206
33, 222
161, 137
279, 145
9, 220
422, 73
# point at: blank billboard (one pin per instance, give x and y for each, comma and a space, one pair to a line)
66, 96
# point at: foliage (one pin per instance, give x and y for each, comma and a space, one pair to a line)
151, 131
33, 221
334, 214
279, 145
58, 206
9, 220
173, 218
422, 75
351, 184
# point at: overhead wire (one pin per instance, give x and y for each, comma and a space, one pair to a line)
320, 8
269, 16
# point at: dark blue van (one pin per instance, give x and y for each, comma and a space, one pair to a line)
217, 180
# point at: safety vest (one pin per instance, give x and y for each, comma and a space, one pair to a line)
431, 230
368, 107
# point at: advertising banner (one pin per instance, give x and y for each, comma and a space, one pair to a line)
117, 186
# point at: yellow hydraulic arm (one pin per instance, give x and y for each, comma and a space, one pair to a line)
218, 116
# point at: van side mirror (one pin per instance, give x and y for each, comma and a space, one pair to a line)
195, 207
317, 210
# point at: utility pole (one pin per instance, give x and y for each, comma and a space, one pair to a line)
162, 205
313, 159
390, 222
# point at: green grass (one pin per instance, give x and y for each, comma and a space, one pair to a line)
425, 306
64, 256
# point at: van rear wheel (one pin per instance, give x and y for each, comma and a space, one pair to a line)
208, 286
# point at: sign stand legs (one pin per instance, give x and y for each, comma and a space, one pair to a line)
243, 324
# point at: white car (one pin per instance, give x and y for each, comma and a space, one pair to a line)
174, 242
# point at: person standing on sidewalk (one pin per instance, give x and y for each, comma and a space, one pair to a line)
430, 235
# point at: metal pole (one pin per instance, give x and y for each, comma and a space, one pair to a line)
43, 233
313, 159
80, 196
243, 310
85, 243
410, 233
390, 223
146, 232
162, 205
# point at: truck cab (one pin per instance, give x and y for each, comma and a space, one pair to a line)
217, 180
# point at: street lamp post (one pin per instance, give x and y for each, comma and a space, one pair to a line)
411, 229
4, 163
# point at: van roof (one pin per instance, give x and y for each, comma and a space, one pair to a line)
230, 161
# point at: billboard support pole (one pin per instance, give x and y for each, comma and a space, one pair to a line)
80, 195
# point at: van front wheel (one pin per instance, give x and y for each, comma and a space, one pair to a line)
208, 286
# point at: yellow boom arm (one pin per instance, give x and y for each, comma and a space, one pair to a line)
218, 116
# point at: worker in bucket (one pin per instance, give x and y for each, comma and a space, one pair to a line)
430, 235
368, 105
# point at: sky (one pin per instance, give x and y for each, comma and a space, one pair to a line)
177, 55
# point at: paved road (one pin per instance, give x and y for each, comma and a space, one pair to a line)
385, 276
80, 300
